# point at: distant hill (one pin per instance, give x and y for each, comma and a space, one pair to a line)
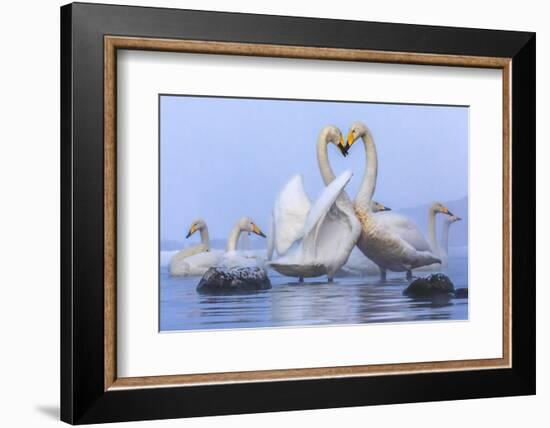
458, 234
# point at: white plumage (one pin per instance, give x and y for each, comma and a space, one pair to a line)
381, 243
322, 239
197, 264
405, 228
197, 259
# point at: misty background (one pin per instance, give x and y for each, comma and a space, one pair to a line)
223, 158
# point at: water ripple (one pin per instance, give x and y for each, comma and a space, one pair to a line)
290, 303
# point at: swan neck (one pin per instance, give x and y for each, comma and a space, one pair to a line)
431, 230
368, 185
205, 237
322, 158
445, 238
244, 241
233, 239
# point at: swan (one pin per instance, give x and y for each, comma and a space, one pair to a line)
237, 271
377, 207
291, 211
327, 237
233, 257
410, 232
379, 243
444, 247
197, 259
330, 221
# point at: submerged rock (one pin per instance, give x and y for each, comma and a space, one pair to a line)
430, 286
234, 280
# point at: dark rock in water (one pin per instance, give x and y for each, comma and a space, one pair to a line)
461, 293
223, 280
430, 286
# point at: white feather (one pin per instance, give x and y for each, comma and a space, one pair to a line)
196, 264
289, 214
326, 238
404, 228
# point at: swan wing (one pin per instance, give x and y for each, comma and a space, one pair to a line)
330, 221
289, 214
404, 228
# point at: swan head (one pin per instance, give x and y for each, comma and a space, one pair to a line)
357, 130
333, 135
198, 224
438, 207
378, 207
246, 224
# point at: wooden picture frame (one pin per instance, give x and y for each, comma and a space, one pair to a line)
91, 391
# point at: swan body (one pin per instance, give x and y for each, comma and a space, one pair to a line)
233, 257
405, 228
387, 249
380, 243
410, 232
196, 264
326, 237
198, 259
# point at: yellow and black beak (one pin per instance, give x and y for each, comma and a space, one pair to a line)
384, 208
351, 140
343, 146
446, 211
257, 230
192, 230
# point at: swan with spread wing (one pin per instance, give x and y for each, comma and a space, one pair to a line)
314, 239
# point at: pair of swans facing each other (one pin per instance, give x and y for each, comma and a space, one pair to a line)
313, 240
198, 259
392, 243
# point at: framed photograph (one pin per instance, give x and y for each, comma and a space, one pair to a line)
266, 213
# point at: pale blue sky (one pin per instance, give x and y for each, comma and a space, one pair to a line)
222, 158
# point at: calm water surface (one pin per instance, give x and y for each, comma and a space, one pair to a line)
353, 300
